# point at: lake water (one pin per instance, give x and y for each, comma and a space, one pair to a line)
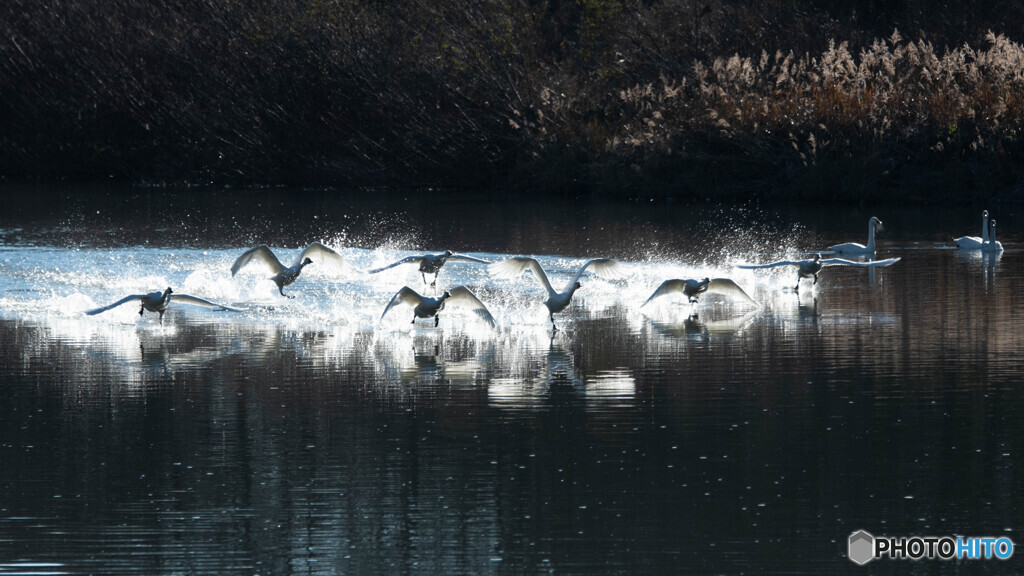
307, 436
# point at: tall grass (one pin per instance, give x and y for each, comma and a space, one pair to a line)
621, 97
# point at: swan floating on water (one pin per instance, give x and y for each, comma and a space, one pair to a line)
557, 301
426, 307
810, 268
285, 275
694, 288
855, 249
432, 263
159, 301
992, 245
974, 242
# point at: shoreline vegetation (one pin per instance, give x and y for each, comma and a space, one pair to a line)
906, 101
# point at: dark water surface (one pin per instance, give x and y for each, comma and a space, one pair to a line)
308, 437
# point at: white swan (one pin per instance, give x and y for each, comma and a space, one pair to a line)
992, 245
158, 302
974, 242
285, 275
432, 263
426, 307
810, 268
853, 248
694, 288
557, 301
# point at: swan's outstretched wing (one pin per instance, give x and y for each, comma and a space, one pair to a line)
196, 301
667, 287
326, 258
407, 260
462, 297
603, 267
464, 258
260, 253
773, 264
96, 311
514, 267
868, 264
404, 296
727, 287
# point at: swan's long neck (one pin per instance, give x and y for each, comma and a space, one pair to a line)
984, 226
871, 236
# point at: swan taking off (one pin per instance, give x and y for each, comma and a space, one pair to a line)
426, 307
557, 301
854, 249
432, 263
285, 275
694, 288
974, 242
158, 302
991, 245
810, 268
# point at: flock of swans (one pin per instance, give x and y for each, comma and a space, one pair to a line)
557, 301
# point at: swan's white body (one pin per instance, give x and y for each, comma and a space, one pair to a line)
432, 263
426, 307
974, 242
992, 245
810, 268
159, 301
855, 249
557, 301
285, 275
694, 288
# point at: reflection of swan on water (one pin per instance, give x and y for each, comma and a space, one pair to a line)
855, 249
693, 326
426, 307
694, 288
974, 242
432, 263
557, 301
810, 268
285, 275
158, 302
992, 245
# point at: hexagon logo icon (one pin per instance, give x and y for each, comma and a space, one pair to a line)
861, 547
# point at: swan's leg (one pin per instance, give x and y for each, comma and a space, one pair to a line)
553, 327
413, 318
141, 309
424, 276
797, 287
437, 319
434, 283
161, 317
280, 289
815, 278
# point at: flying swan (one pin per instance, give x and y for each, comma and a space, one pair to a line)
974, 242
432, 263
426, 307
855, 249
158, 302
285, 275
810, 268
694, 288
557, 301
